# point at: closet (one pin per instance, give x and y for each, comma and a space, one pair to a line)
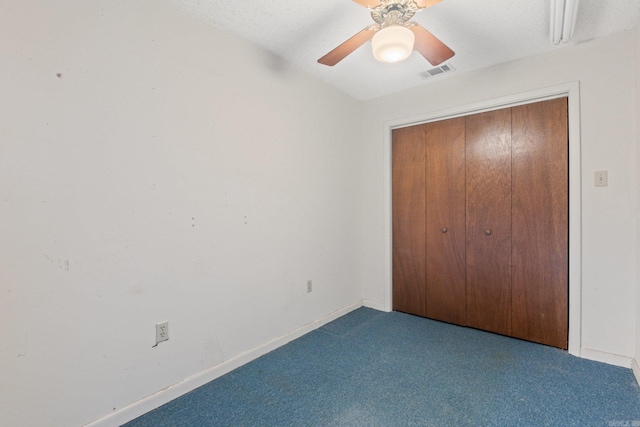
480, 221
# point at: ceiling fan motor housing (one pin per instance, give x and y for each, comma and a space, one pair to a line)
394, 12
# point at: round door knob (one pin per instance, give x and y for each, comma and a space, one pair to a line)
444, 229
487, 232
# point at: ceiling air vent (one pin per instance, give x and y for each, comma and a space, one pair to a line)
446, 68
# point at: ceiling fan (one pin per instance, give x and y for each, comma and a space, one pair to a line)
393, 36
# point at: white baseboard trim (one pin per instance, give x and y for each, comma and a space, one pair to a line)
609, 358
636, 369
374, 305
166, 395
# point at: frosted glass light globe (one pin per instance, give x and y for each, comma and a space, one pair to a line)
393, 43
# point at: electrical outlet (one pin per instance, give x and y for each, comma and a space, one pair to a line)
162, 331
309, 286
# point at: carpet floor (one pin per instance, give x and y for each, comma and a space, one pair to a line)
371, 368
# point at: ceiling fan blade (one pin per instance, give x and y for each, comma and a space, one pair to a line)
429, 46
339, 53
426, 3
370, 3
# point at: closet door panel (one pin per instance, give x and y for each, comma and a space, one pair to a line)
445, 182
540, 223
488, 234
409, 218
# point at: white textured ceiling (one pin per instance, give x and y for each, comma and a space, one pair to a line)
482, 33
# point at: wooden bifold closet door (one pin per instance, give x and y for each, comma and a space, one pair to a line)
540, 216
489, 221
445, 276
480, 221
409, 220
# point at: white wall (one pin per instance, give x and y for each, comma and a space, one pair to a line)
171, 172
637, 334
606, 73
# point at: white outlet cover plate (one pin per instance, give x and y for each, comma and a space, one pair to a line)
162, 331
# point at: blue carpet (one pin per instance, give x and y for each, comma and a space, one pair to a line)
370, 368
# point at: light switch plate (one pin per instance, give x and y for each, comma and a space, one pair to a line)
601, 179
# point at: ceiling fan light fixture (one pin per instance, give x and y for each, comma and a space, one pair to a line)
393, 43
